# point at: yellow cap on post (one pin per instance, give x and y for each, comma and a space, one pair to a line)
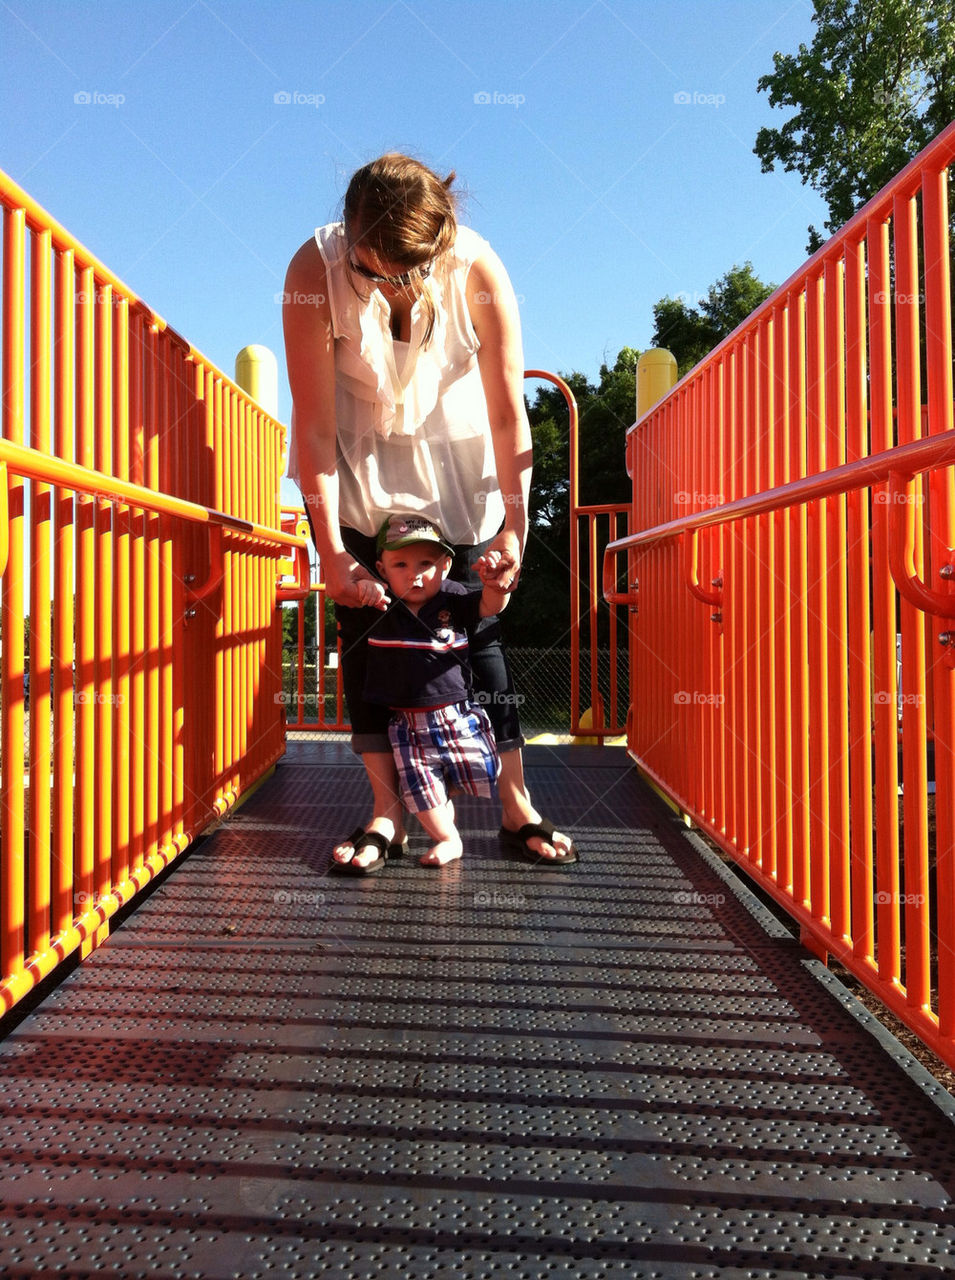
257, 373
656, 375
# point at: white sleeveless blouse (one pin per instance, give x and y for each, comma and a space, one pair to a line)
412, 424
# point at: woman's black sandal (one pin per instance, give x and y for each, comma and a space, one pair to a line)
516, 842
360, 839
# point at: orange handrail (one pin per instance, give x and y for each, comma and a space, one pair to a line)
815, 447
894, 467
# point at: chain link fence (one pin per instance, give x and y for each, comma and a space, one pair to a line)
541, 680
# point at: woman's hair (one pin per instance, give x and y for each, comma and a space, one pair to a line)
404, 214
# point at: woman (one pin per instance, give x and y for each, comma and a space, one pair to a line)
406, 371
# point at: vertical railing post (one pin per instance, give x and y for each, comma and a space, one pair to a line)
41, 832
12, 824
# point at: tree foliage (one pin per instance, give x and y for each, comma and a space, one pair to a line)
874, 87
690, 332
539, 615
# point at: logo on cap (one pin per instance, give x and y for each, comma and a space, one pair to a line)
401, 531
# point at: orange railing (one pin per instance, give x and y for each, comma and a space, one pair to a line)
791, 560
140, 685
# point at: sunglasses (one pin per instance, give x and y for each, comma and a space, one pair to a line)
396, 282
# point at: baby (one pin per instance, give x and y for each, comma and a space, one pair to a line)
418, 666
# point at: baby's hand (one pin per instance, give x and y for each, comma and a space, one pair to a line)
493, 570
372, 594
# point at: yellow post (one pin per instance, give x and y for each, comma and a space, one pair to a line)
587, 722
656, 375
257, 373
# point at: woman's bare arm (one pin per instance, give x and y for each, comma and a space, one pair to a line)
310, 358
493, 310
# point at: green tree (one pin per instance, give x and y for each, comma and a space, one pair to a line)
290, 625
874, 87
690, 332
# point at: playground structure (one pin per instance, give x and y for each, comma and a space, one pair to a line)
783, 584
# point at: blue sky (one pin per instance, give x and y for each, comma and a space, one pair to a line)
604, 147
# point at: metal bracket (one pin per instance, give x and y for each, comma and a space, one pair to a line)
941, 604
214, 578
689, 543
902, 553
298, 567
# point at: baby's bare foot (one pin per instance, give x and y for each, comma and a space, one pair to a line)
440, 854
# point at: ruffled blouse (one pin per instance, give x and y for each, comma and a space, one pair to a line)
412, 426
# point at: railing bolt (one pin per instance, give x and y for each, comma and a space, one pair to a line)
717, 582
190, 577
947, 571
716, 617
190, 613
945, 637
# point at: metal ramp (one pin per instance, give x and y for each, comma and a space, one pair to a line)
628, 1069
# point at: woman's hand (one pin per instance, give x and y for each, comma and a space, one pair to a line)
349, 583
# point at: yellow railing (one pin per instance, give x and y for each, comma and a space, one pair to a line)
140, 538
792, 558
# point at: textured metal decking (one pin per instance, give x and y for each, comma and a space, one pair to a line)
491, 1070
